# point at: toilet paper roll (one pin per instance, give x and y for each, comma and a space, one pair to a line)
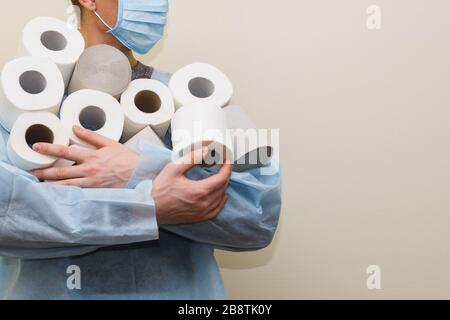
146, 134
31, 128
252, 149
202, 124
103, 68
201, 82
55, 39
147, 102
93, 110
29, 84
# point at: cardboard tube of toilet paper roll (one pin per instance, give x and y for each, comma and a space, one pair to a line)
93, 110
145, 103
31, 128
55, 39
201, 82
251, 149
102, 68
202, 124
147, 134
29, 84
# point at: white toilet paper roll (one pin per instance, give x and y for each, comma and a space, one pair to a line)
201, 82
31, 128
29, 84
202, 124
54, 39
147, 102
252, 149
146, 134
94, 110
103, 68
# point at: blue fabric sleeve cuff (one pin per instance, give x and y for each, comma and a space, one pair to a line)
153, 160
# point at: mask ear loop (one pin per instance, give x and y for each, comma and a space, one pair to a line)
103, 21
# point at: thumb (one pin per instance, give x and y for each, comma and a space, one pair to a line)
191, 160
92, 137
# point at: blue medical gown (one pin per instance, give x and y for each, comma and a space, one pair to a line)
112, 235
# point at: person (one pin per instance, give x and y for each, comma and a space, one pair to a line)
122, 223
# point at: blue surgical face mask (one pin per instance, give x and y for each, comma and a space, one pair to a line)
140, 23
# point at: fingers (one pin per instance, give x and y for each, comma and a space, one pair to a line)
59, 173
215, 197
205, 201
190, 161
220, 179
68, 153
92, 138
208, 214
215, 212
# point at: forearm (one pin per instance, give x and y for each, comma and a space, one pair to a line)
153, 159
249, 219
46, 253
233, 231
37, 215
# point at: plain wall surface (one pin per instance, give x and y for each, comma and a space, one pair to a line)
365, 136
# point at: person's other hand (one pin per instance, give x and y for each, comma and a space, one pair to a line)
179, 200
110, 166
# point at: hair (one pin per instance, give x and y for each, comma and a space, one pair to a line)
75, 2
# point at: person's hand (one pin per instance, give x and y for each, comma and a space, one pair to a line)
179, 200
110, 166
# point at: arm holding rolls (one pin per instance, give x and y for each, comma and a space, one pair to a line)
41, 216
250, 216
190, 206
45, 221
48, 220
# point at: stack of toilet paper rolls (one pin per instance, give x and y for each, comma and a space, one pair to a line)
32, 87
102, 97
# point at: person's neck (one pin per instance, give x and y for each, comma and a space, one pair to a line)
93, 36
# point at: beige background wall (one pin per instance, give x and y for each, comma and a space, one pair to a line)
364, 118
